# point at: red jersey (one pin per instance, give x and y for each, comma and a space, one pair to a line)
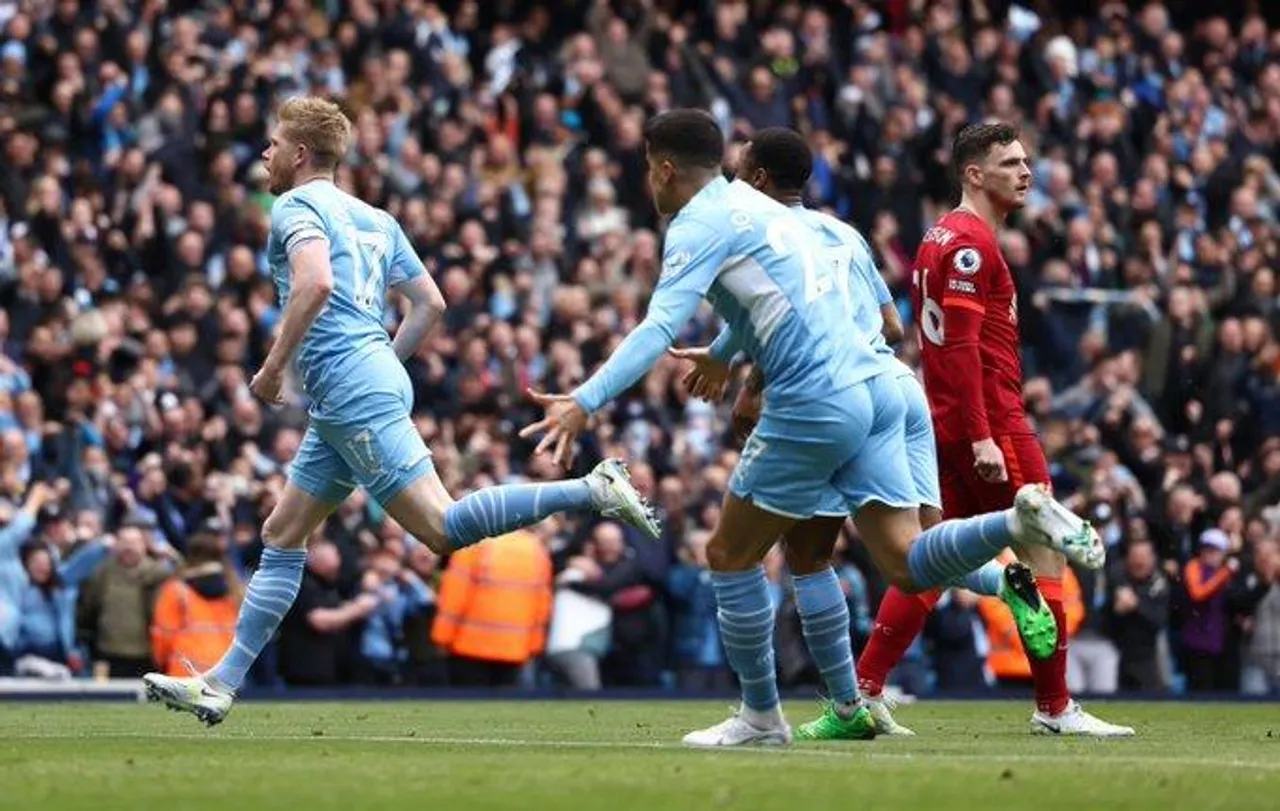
967, 308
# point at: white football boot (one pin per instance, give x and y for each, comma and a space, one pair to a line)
736, 730
1043, 521
194, 695
613, 496
1075, 721
880, 708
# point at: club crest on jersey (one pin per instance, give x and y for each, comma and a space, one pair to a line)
676, 262
967, 261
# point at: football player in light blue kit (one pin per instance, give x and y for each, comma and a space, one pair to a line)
777, 161
334, 257
830, 415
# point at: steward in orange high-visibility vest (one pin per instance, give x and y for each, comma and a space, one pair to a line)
495, 600
195, 614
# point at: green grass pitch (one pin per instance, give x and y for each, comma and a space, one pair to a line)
621, 755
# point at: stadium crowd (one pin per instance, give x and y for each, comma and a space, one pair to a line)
136, 468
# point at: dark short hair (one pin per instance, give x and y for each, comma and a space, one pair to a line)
687, 137
785, 155
975, 141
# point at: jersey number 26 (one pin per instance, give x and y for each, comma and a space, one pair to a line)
930, 310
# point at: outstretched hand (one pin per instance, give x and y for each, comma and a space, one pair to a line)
564, 420
708, 379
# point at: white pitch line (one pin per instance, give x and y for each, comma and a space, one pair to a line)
854, 751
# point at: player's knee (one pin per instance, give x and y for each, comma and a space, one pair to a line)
1044, 562
897, 572
902, 580
723, 556
277, 532
806, 560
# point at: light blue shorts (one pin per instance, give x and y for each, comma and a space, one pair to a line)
361, 433
921, 450
922, 445
849, 446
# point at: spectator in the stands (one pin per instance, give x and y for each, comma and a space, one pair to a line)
316, 646
116, 604
1206, 627
1138, 605
1259, 600
195, 613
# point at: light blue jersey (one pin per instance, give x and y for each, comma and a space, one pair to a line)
761, 270
848, 250
369, 253
832, 417
361, 431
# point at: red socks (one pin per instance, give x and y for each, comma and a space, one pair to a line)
1050, 675
899, 621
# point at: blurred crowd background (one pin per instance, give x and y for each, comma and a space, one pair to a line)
136, 469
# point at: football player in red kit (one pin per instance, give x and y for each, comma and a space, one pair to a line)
967, 310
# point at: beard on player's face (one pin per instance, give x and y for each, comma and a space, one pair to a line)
1002, 188
282, 170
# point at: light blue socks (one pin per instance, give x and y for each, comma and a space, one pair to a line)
496, 511
746, 629
824, 617
269, 597
949, 552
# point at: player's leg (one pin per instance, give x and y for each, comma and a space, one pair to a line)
416, 498
877, 482
745, 614
900, 616
1056, 713
373, 431
319, 482
824, 621
780, 480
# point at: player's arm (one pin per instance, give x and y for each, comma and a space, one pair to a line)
891, 322
693, 255
963, 304
891, 327
409, 277
302, 233
725, 347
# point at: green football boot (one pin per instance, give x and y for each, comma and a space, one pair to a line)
829, 726
1036, 625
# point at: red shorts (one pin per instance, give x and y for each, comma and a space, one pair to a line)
965, 494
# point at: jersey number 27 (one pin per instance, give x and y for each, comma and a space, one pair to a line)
787, 236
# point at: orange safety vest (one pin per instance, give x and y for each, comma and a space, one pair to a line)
495, 600
1006, 659
187, 626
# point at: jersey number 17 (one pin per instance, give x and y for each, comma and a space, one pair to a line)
370, 249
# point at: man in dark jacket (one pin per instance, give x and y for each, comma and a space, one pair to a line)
1139, 608
614, 574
